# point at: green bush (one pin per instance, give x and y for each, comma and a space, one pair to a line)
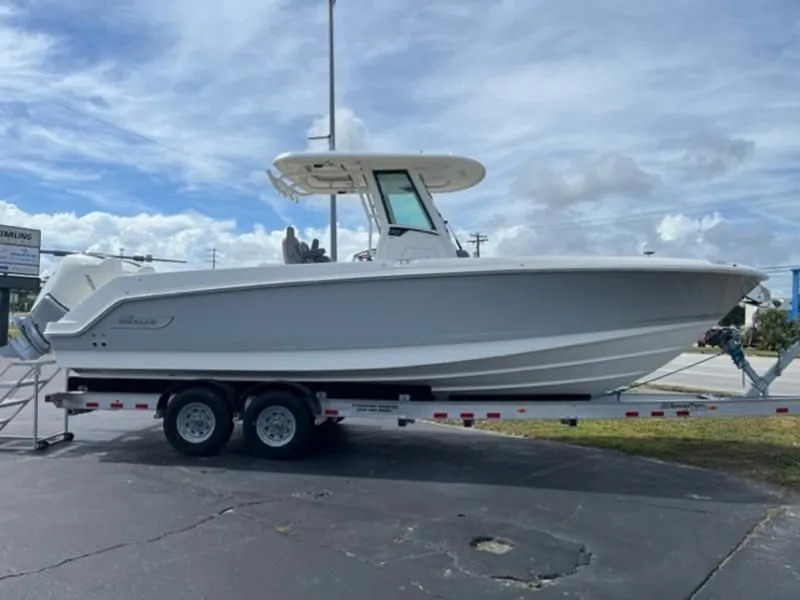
775, 331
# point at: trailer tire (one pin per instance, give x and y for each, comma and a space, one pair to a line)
278, 424
198, 421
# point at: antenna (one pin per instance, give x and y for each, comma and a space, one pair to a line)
450, 230
134, 257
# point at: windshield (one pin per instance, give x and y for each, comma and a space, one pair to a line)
403, 204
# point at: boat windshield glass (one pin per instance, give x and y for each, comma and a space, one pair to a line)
403, 204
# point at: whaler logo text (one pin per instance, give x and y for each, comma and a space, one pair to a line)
139, 322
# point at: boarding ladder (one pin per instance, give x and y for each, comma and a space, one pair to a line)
17, 393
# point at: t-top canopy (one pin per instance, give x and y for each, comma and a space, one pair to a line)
305, 173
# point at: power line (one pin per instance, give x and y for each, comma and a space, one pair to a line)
477, 239
647, 215
784, 199
778, 269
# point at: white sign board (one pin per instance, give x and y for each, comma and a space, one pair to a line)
19, 251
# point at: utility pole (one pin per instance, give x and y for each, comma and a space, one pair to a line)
213, 258
477, 239
333, 251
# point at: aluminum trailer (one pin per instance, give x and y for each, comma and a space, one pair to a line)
282, 419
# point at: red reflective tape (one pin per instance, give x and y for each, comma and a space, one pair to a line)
632, 413
493, 415
92, 405
657, 413
440, 415
782, 410
117, 404
142, 405
467, 415
331, 412
682, 413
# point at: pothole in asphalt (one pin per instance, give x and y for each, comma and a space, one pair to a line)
491, 545
528, 584
523, 569
508, 554
314, 494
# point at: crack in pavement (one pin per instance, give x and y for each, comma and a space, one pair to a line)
428, 548
151, 540
426, 591
199, 523
749, 534
431, 549
666, 506
288, 532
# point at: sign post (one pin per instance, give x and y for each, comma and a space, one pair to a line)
20, 250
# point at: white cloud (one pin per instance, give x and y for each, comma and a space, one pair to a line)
608, 175
709, 155
604, 127
187, 236
683, 229
352, 133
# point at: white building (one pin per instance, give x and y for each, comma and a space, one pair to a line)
751, 311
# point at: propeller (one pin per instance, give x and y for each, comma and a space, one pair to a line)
135, 257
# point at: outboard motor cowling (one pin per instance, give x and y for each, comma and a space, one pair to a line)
77, 277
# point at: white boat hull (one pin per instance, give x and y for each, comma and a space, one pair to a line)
532, 327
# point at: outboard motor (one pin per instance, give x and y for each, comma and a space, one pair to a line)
77, 276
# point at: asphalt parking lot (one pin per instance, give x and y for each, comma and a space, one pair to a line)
420, 512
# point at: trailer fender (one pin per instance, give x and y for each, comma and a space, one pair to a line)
298, 389
225, 389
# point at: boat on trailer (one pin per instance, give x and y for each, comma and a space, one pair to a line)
417, 310
413, 328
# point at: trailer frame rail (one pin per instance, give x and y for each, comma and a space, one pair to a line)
281, 418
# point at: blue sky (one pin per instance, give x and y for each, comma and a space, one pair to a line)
606, 126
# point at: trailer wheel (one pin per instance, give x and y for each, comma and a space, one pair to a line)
278, 424
198, 422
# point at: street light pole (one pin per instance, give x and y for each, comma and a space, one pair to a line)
334, 251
